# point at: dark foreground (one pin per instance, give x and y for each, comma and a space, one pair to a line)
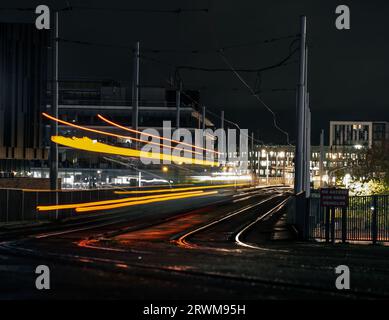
212, 250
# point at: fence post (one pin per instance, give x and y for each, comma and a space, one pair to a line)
36, 204
333, 224
327, 217
306, 218
56, 203
22, 205
344, 224
374, 210
7, 212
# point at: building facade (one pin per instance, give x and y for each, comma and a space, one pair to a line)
358, 133
276, 163
23, 81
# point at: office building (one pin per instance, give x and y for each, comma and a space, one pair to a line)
358, 133
23, 82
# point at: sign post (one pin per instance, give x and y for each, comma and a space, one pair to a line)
330, 199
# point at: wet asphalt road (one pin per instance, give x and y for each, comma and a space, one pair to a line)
161, 251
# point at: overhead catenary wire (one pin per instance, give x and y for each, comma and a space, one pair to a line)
113, 9
188, 67
281, 63
216, 115
256, 96
136, 10
236, 72
163, 50
235, 89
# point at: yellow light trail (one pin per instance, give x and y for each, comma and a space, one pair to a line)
89, 145
109, 133
154, 136
182, 189
104, 202
133, 203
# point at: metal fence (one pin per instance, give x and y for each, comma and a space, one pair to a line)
20, 205
365, 219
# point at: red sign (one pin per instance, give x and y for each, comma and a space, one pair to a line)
333, 197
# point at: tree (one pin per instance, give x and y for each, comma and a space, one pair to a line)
374, 169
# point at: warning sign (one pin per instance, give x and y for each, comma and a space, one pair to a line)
333, 197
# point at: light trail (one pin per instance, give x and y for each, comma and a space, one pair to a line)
182, 189
99, 147
134, 203
104, 202
109, 133
154, 136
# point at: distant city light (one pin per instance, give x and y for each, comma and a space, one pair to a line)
347, 180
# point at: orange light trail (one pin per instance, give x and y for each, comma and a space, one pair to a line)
94, 146
104, 202
109, 133
182, 189
154, 136
134, 203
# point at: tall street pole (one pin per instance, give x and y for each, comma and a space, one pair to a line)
204, 139
299, 154
203, 117
307, 119
321, 161
54, 106
267, 167
178, 104
135, 95
223, 141
252, 156
308, 151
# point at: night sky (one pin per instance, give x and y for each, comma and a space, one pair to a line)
348, 70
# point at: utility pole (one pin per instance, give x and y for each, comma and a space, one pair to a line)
307, 124
135, 90
299, 154
321, 161
308, 151
54, 106
204, 139
178, 104
276, 166
252, 156
258, 168
267, 167
223, 141
203, 118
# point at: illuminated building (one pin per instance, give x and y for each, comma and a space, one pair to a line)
358, 133
275, 164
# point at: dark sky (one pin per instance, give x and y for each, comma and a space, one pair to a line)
348, 70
